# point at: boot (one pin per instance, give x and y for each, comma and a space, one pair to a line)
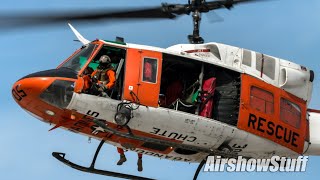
122, 159
139, 164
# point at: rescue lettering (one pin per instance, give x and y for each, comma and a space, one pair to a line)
264, 126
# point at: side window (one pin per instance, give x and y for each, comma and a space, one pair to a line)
266, 64
246, 58
150, 68
269, 66
114, 53
290, 113
261, 100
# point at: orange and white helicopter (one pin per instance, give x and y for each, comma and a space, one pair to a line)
181, 103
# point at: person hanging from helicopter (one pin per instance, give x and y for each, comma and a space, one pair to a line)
124, 159
103, 77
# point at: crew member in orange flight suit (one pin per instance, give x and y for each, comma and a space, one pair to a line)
105, 74
124, 159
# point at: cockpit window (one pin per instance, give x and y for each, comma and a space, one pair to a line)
78, 60
59, 93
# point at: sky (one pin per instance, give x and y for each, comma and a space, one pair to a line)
288, 29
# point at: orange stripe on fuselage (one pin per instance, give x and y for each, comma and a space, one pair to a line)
80, 123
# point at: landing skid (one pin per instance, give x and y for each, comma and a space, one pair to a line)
61, 157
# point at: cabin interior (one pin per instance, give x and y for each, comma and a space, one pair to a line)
186, 84
200, 88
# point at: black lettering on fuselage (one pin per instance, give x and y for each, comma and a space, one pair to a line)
278, 132
261, 121
287, 135
294, 139
181, 137
191, 139
252, 120
155, 130
93, 113
18, 93
270, 130
164, 133
173, 135
162, 156
262, 125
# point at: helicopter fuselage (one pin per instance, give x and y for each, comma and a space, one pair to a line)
258, 102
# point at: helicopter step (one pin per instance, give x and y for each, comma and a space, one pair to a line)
61, 157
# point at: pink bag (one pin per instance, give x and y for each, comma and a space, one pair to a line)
208, 87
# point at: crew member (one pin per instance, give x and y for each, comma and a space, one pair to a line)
105, 74
124, 159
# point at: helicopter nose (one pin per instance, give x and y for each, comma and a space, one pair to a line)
53, 87
27, 90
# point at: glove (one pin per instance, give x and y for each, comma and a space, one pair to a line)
102, 88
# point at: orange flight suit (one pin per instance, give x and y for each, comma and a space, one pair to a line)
120, 151
111, 76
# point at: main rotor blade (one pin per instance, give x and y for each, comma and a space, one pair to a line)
43, 18
165, 11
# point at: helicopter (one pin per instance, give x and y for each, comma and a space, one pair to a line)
56, 97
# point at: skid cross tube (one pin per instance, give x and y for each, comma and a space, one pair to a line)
61, 157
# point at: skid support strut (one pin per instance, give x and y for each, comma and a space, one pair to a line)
61, 157
198, 169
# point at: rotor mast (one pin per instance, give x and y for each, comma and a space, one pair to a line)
195, 37
196, 16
